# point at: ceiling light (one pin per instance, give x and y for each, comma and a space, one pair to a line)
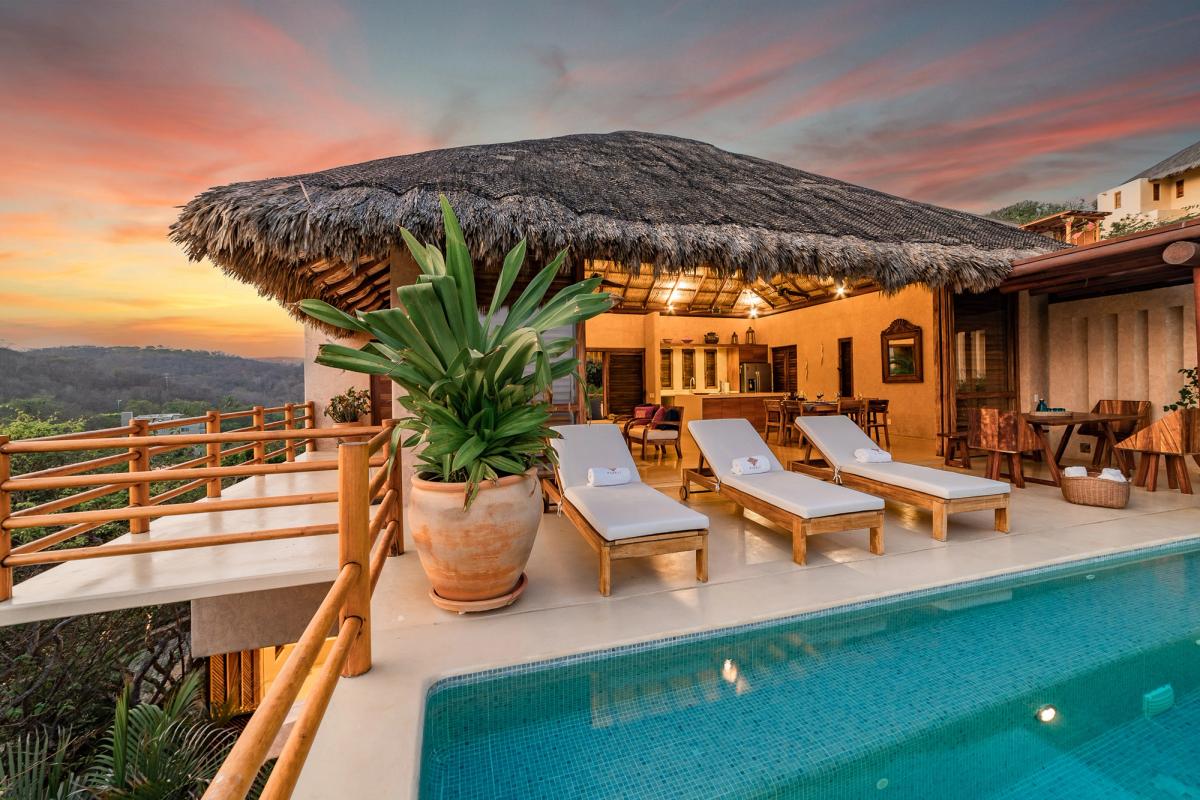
841, 290
753, 312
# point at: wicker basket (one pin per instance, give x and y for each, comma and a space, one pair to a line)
1096, 491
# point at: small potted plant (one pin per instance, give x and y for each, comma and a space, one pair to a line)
348, 408
475, 387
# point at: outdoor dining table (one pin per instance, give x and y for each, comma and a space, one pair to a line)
1041, 425
820, 408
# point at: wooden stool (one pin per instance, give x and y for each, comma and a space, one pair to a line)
955, 452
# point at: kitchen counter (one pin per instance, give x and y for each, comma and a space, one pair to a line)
730, 405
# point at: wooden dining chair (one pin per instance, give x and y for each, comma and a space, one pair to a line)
854, 409
1004, 435
877, 421
791, 410
1102, 454
774, 415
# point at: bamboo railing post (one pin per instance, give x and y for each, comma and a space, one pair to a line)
139, 493
354, 546
6, 573
260, 445
310, 421
289, 424
396, 482
212, 424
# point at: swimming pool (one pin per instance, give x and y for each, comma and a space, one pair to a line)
934, 694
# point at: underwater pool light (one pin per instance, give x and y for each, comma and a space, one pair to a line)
1047, 714
729, 671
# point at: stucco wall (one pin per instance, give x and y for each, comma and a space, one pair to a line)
1137, 197
1126, 347
322, 383
815, 332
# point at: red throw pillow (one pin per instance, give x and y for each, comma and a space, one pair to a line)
644, 412
659, 416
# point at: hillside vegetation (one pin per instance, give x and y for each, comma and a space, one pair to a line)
95, 383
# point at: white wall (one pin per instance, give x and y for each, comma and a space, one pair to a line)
1123, 347
322, 383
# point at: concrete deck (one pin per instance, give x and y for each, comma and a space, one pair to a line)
106, 584
370, 739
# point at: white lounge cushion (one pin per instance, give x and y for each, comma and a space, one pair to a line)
723, 440
937, 482
660, 435
632, 510
585, 446
838, 437
803, 495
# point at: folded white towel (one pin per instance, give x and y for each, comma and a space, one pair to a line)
608, 476
751, 465
872, 455
1110, 474
1075, 472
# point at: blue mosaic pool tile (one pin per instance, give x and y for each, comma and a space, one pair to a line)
879, 699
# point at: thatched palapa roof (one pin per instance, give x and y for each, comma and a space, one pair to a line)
644, 203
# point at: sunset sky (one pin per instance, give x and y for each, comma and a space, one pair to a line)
115, 113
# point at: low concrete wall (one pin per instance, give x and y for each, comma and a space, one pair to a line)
235, 622
1124, 347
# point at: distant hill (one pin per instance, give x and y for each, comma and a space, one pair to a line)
70, 382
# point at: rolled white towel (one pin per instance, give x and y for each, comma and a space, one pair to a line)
751, 465
1110, 474
872, 455
1075, 472
608, 476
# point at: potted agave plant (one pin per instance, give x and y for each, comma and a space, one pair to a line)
476, 387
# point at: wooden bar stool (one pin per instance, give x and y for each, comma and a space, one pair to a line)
877, 421
774, 412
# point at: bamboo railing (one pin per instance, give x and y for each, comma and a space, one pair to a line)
140, 442
367, 535
362, 552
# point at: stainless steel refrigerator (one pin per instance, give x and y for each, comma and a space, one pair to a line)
755, 377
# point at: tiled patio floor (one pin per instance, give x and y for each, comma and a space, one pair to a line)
370, 737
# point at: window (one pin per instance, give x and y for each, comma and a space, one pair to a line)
666, 367
1179, 188
1116, 199
1157, 189
710, 368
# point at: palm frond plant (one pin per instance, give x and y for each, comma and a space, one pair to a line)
37, 766
167, 752
476, 386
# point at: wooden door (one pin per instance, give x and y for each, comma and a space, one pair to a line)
624, 381
381, 399
783, 368
846, 367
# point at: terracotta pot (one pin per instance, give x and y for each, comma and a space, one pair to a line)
356, 423
478, 554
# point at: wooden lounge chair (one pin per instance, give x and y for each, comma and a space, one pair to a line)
941, 491
803, 505
626, 521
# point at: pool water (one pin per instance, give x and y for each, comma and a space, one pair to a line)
934, 694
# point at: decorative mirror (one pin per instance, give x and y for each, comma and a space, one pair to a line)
901, 344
